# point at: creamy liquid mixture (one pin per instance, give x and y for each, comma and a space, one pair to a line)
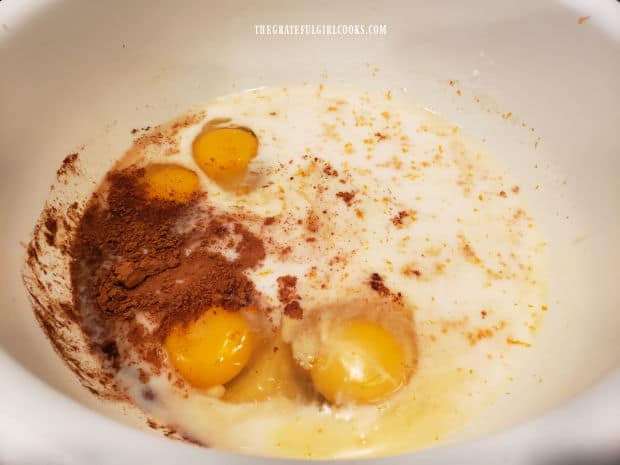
357, 186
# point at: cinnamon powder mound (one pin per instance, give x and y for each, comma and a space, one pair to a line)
129, 258
287, 288
293, 310
287, 294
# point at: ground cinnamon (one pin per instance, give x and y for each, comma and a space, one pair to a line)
131, 263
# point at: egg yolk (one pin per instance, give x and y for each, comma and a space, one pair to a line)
360, 362
224, 154
166, 181
211, 350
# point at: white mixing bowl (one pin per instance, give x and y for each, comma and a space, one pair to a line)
85, 72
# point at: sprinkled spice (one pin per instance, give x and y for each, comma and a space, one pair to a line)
398, 219
293, 310
376, 284
347, 197
68, 165
129, 258
287, 288
330, 171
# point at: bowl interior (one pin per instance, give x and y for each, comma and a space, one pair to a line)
85, 73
